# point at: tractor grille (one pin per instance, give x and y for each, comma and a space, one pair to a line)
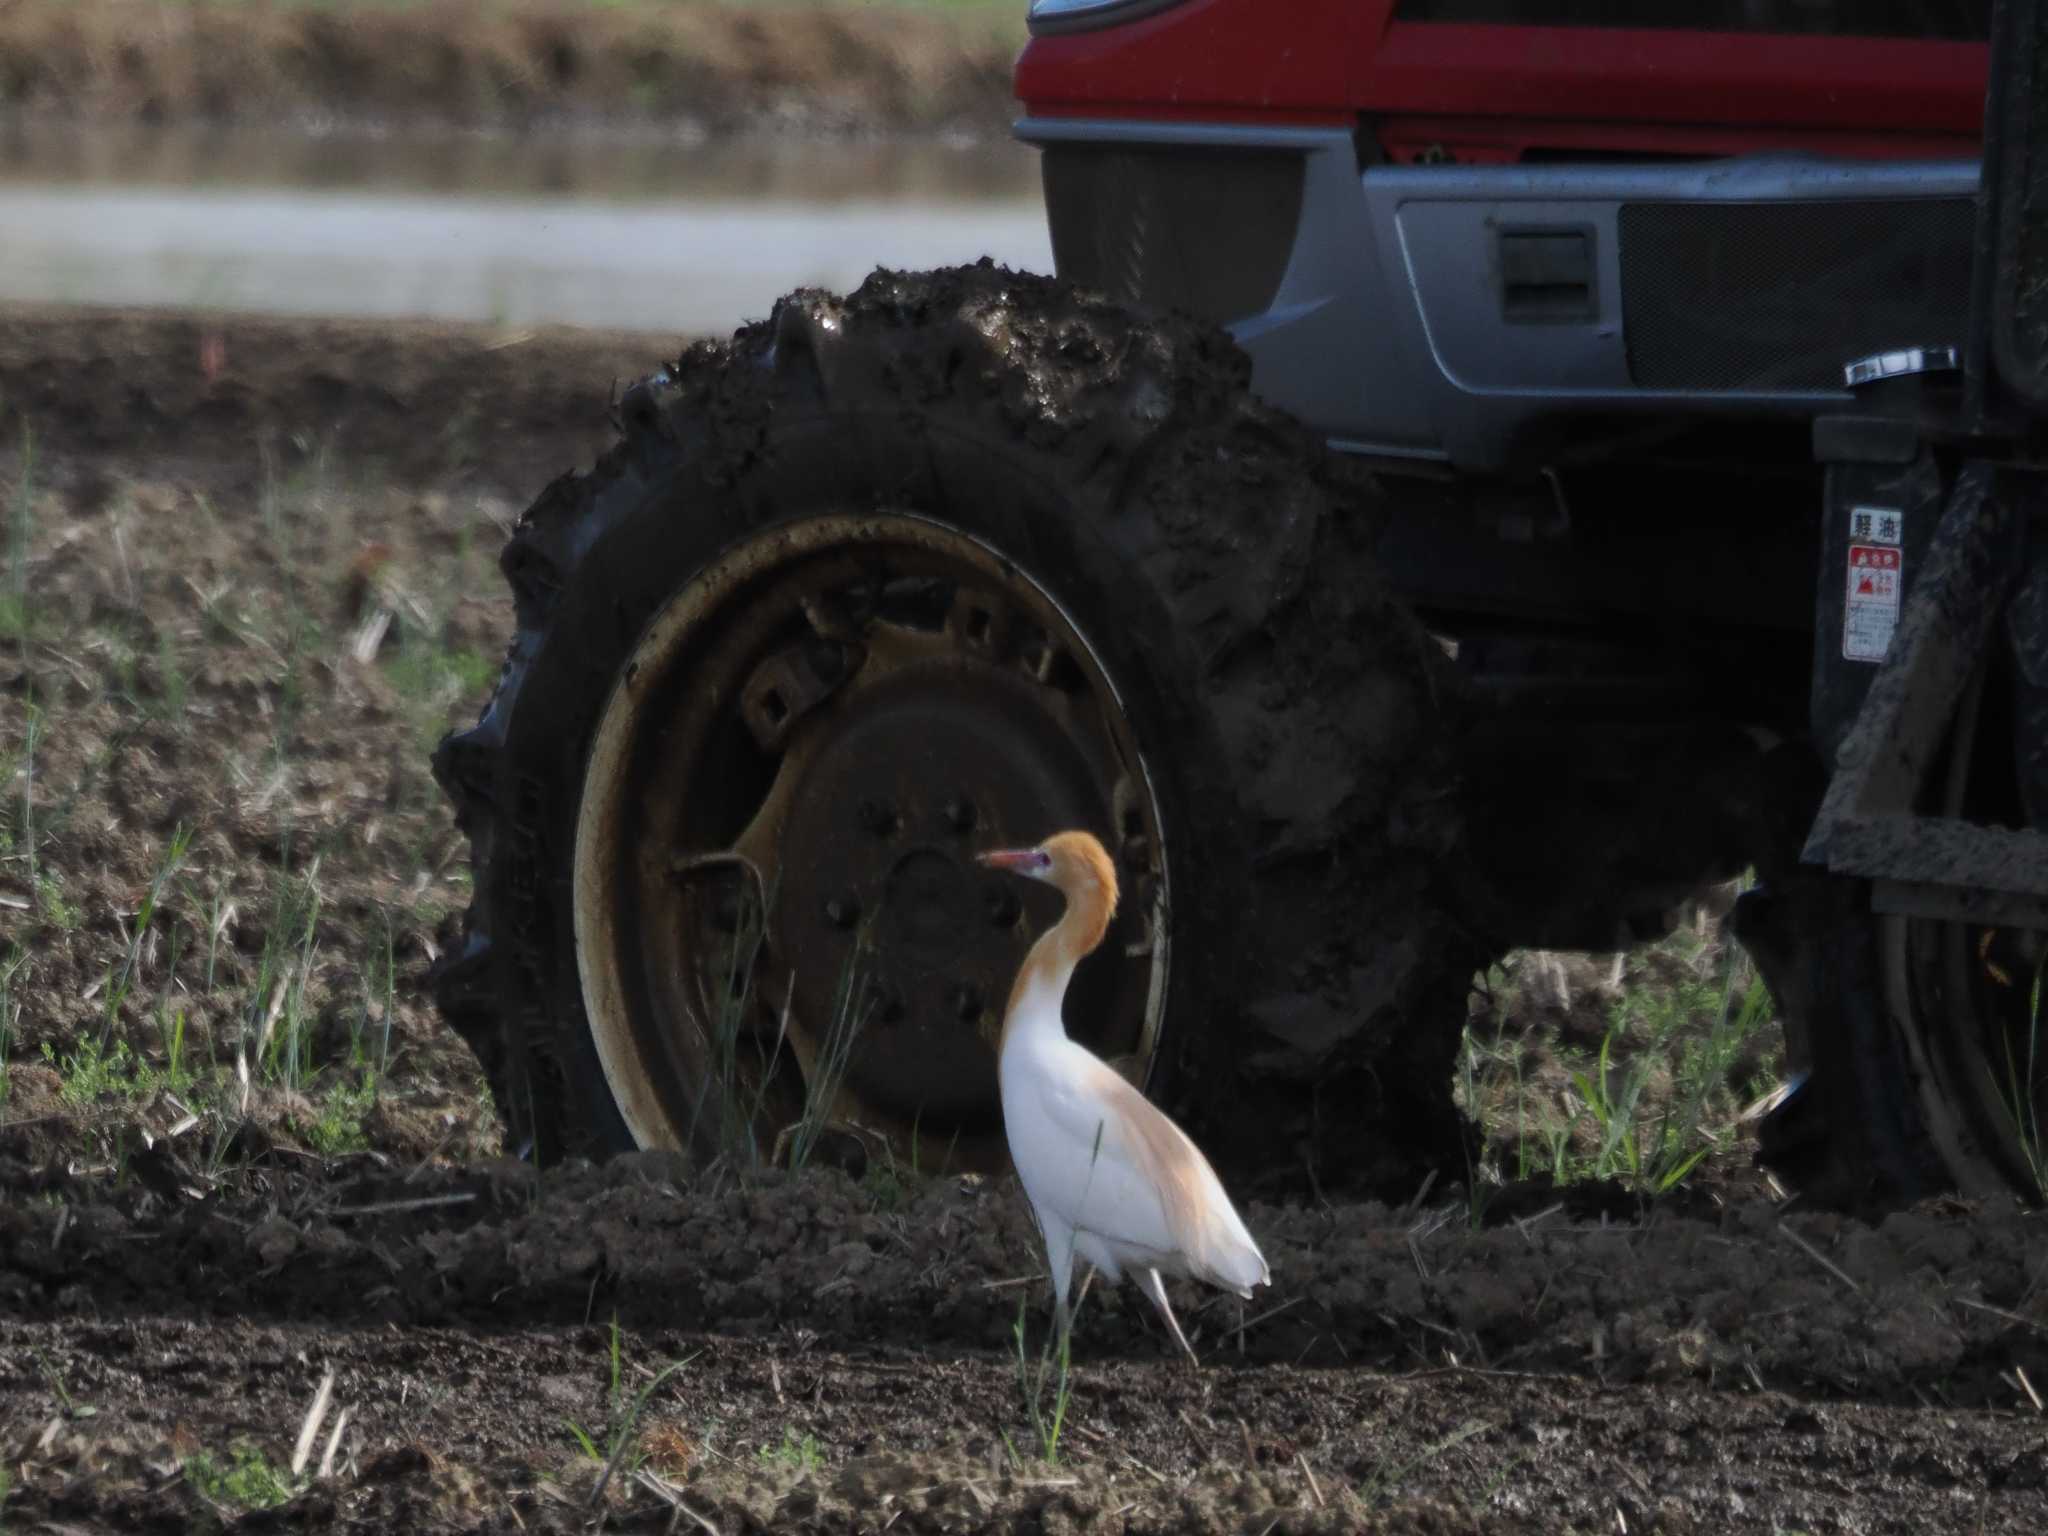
1779, 296
1204, 230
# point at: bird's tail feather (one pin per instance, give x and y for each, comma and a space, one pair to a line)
1238, 1268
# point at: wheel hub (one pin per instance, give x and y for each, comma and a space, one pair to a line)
821, 730
878, 883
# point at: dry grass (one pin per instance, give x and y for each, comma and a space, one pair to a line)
707, 67
224, 859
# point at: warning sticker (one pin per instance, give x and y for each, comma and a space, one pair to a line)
1875, 525
1873, 608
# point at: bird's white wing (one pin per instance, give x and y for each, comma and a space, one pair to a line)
1100, 1155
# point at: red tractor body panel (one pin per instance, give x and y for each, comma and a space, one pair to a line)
1488, 93
1510, 89
1217, 60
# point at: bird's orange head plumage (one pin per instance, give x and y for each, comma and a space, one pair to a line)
1085, 875
1082, 870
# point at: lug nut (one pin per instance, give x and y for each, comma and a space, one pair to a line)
960, 814
842, 911
828, 660
1133, 825
877, 817
967, 1002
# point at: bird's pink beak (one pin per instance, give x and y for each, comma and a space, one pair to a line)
1018, 861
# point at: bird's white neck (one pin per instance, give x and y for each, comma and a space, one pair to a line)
1034, 1010
1034, 1014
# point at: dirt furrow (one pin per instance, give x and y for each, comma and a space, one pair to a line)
1935, 1302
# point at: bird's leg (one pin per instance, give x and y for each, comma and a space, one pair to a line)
1059, 1258
1068, 1314
1154, 1288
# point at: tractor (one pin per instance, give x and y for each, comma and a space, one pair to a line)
1484, 470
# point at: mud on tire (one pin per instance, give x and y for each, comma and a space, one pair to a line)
1289, 708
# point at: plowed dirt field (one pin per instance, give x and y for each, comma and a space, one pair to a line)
249, 579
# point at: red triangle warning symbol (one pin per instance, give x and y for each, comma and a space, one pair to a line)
1865, 589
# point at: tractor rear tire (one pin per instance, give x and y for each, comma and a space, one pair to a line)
1067, 530
1916, 1042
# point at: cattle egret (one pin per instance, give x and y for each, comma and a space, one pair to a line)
1109, 1177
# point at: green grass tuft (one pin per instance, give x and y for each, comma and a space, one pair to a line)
620, 1452
800, 1454
339, 1128
94, 1074
2021, 1083
1689, 1041
244, 1478
1054, 1372
12, 971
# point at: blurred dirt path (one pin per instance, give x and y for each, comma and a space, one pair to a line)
412, 403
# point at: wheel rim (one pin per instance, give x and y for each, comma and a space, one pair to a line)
1968, 996
777, 916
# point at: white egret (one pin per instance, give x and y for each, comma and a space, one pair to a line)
1110, 1178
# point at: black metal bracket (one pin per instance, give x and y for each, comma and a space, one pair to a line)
1867, 826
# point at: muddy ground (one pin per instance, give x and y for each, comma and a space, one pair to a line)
249, 578
680, 70
1708, 1372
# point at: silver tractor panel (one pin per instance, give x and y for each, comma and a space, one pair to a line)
1458, 313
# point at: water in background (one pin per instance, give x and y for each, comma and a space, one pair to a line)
574, 229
